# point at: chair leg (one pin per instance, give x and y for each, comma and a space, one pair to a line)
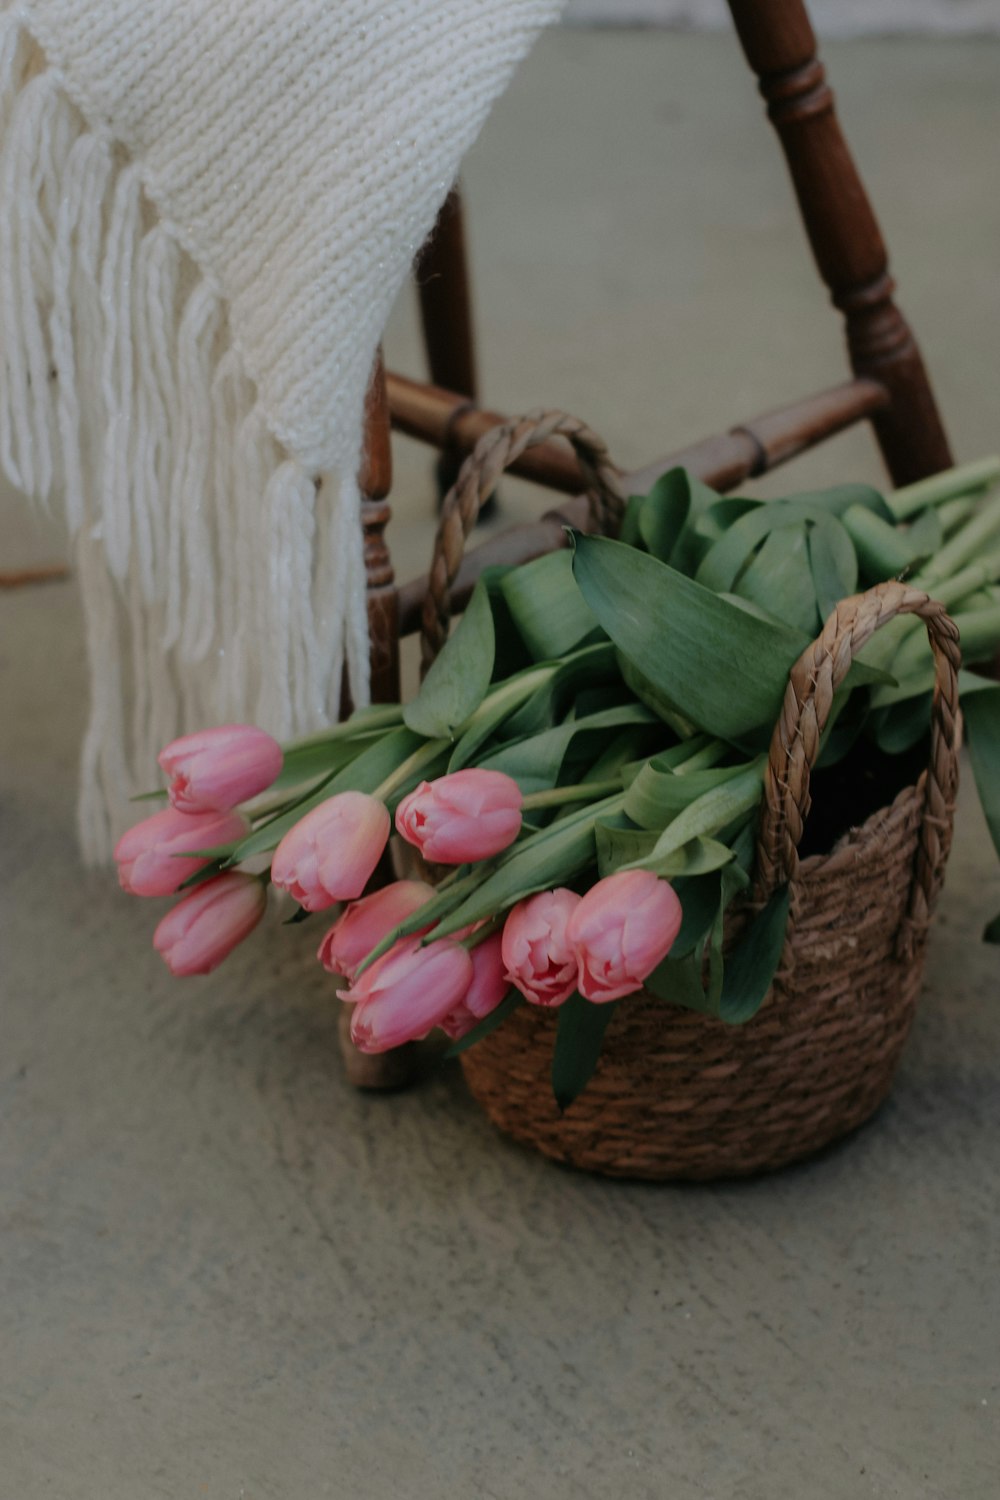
780, 47
446, 317
375, 481
388, 1070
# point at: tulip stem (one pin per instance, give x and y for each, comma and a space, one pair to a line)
948, 485
963, 547
410, 767
362, 721
484, 931
703, 759
513, 692
586, 791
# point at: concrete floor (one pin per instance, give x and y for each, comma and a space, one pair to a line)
224, 1273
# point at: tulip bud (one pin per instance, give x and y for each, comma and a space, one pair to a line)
207, 924
623, 927
407, 992
364, 924
217, 768
468, 815
331, 853
487, 988
538, 956
148, 855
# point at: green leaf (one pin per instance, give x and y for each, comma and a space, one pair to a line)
753, 961
366, 772
306, 763
679, 981
981, 712
629, 530
699, 897
489, 1023
664, 709
697, 857
723, 564
838, 499
679, 489
590, 666
535, 762
899, 726
457, 681
736, 988
208, 872
441, 904
882, 549
618, 847
681, 977
659, 792
709, 528
726, 669
621, 750
744, 846
710, 813
778, 578
546, 606
925, 536
833, 564
496, 711
848, 718
511, 655
663, 513
550, 858
579, 1035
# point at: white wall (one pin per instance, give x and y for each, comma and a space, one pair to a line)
831, 17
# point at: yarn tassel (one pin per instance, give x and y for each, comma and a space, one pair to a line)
215, 584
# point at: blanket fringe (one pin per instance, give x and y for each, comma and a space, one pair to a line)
215, 586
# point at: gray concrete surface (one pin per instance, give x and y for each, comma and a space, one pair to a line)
829, 17
224, 1274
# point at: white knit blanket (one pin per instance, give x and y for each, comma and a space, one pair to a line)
206, 210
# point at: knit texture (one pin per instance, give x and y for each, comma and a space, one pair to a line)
207, 208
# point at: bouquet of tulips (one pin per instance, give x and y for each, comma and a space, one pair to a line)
582, 768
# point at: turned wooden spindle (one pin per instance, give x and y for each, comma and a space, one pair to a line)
445, 301
443, 287
375, 480
780, 46
387, 1070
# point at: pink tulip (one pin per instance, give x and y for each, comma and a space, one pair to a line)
407, 992
623, 927
331, 853
148, 854
365, 923
468, 815
538, 956
216, 768
488, 987
197, 934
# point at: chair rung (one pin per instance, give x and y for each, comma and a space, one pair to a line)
448, 421
754, 447
724, 462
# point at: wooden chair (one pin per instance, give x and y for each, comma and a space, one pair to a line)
889, 388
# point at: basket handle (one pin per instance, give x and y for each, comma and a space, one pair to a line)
495, 452
795, 744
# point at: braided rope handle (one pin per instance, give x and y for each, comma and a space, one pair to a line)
495, 452
795, 744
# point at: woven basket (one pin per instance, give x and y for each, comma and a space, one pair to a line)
681, 1095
